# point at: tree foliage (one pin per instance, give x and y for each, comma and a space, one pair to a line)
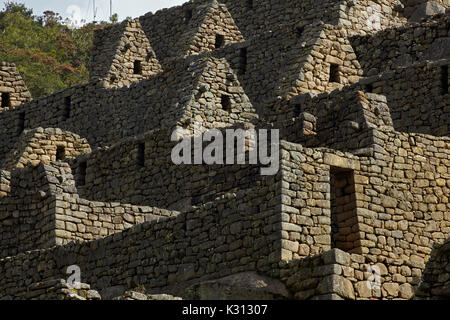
49, 54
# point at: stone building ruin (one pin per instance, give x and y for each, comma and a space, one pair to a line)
360, 93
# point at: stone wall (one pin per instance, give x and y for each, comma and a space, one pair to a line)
393, 195
331, 63
259, 16
343, 120
337, 275
410, 99
45, 146
362, 184
435, 282
236, 232
412, 5
193, 29
122, 55
369, 17
417, 97
400, 203
40, 207
13, 91
122, 172
57, 289
400, 47
25, 212
306, 199
291, 60
189, 90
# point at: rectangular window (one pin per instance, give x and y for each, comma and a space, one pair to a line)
220, 41
226, 103
60, 153
21, 122
141, 155
187, 16
6, 100
243, 61
444, 79
369, 88
334, 73
82, 170
344, 220
299, 32
67, 107
137, 67
297, 110
249, 4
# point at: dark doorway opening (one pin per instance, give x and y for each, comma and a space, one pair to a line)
344, 220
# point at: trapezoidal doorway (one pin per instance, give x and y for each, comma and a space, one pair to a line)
344, 219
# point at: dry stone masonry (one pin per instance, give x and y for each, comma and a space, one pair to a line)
359, 208
13, 91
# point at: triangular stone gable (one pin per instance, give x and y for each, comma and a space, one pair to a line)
218, 100
13, 91
123, 55
41, 146
330, 63
269, 66
190, 91
212, 21
189, 29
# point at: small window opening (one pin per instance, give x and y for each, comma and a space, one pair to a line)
6, 100
226, 103
21, 124
299, 31
82, 170
60, 153
187, 15
67, 107
141, 155
243, 63
297, 110
249, 4
369, 88
444, 79
334, 73
220, 41
137, 67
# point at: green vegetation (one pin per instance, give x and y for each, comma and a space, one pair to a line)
50, 55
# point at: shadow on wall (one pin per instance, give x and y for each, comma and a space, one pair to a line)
141, 171
415, 10
435, 283
417, 96
400, 47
